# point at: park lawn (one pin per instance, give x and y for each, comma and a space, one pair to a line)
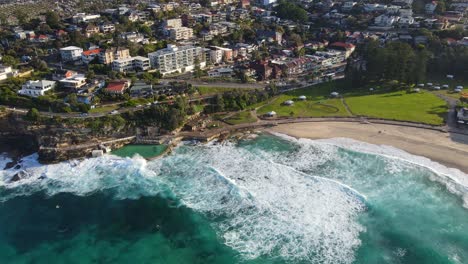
104, 109
241, 118
423, 107
318, 103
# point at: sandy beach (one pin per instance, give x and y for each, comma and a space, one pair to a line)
448, 149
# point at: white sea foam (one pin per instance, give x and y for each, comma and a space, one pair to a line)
454, 180
261, 203
263, 208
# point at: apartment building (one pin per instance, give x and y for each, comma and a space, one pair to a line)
177, 59
88, 55
137, 63
180, 33
71, 53
109, 55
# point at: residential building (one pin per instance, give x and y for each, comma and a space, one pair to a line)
347, 6
137, 63
60, 74
90, 30
7, 72
348, 48
219, 54
107, 28
117, 87
83, 17
173, 23
180, 33
268, 2
75, 82
141, 88
141, 63
36, 88
134, 37
107, 56
221, 72
430, 7
270, 35
71, 53
89, 55
177, 59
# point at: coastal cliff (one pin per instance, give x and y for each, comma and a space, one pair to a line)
57, 140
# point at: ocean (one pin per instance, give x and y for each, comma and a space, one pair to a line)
270, 199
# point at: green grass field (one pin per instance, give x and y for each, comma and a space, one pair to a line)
423, 107
104, 109
241, 118
318, 103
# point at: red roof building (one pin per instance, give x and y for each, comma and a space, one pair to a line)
117, 87
347, 47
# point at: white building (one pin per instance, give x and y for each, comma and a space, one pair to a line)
176, 59
131, 64
75, 82
180, 33
221, 72
83, 17
268, 2
36, 88
71, 53
7, 72
173, 23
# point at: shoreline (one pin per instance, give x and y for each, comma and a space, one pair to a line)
448, 149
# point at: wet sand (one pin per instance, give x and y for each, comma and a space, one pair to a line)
450, 150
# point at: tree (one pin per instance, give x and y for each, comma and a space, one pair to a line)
32, 114
90, 75
440, 8
289, 10
197, 72
21, 15
52, 19
10, 60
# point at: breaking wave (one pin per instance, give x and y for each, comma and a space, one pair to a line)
297, 199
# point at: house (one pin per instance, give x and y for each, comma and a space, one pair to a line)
385, 20
117, 87
90, 30
134, 37
140, 89
89, 55
262, 70
7, 72
75, 82
71, 53
430, 7
36, 88
60, 74
270, 35
221, 72
107, 28
347, 47
347, 6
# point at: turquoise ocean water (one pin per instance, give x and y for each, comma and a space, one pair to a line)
272, 199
